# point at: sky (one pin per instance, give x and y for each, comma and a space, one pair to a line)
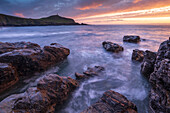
93, 11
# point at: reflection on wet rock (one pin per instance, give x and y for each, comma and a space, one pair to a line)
112, 102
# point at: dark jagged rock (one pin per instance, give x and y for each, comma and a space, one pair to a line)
147, 66
8, 76
138, 55
90, 72
51, 90
160, 81
113, 47
29, 58
7, 47
112, 102
130, 38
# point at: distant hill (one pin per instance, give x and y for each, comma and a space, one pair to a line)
6, 20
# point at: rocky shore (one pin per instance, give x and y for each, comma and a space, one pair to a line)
156, 67
50, 91
23, 59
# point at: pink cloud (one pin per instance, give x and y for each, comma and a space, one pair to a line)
19, 14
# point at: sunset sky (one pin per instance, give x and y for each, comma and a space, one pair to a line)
93, 11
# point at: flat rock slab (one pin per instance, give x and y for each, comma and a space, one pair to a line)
131, 38
113, 47
112, 102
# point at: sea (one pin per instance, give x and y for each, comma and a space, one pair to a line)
85, 43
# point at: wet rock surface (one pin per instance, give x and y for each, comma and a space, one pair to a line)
90, 72
112, 102
147, 66
8, 76
138, 55
132, 39
160, 81
7, 47
28, 58
51, 90
113, 47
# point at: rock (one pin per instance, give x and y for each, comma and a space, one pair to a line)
147, 66
112, 102
29, 61
7, 47
113, 47
90, 72
160, 81
58, 51
130, 38
143, 40
138, 55
81, 76
28, 58
51, 90
8, 76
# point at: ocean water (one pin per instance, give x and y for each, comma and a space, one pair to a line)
85, 43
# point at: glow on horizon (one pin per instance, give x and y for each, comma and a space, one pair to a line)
129, 17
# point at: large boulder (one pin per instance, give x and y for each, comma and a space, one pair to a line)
112, 102
8, 76
51, 90
138, 55
160, 81
113, 47
90, 72
147, 66
29, 58
130, 38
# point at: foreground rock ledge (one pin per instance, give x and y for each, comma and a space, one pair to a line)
112, 102
113, 47
28, 58
51, 90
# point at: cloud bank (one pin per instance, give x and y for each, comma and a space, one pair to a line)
87, 11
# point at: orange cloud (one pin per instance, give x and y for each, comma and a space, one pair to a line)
136, 1
92, 6
19, 14
153, 16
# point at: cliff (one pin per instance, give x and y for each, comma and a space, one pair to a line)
6, 20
